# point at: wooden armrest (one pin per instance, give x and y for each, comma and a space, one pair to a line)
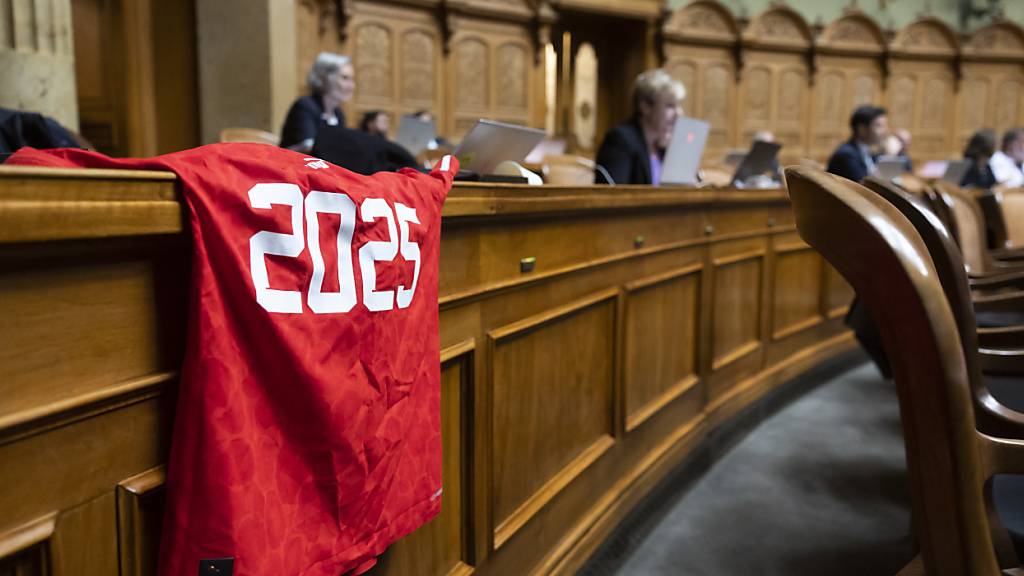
1005, 280
1004, 301
1007, 254
1004, 455
1008, 362
1006, 337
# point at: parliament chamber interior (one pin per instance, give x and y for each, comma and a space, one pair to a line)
509, 287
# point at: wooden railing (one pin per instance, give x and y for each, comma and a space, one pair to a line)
591, 338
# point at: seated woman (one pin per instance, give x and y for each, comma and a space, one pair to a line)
978, 152
331, 82
375, 122
632, 152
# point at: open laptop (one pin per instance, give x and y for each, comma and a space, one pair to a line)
682, 159
490, 143
415, 134
760, 160
890, 167
955, 171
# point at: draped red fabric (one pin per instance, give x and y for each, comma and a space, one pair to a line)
307, 432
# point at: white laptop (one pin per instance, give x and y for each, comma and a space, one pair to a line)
415, 134
890, 167
490, 143
682, 159
955, 171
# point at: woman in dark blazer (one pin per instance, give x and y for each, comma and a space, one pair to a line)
331, 83
632, 152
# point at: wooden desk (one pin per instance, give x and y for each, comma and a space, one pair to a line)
649, 317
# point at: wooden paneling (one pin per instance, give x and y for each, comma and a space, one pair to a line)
551, 417
797, 277
803, 84
140, 507
737, 306
568, 391
838, 293
397, 54
662, 341
439, 547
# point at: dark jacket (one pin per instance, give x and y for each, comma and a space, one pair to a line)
304, 119
19, 129
359, 151
624, 155
978, 177
848, 162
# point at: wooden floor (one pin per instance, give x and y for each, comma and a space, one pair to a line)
591, 339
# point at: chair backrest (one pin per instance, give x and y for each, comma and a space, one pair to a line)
882, 256
970, 225
249, 135
568, 170
992, 417
1011, 204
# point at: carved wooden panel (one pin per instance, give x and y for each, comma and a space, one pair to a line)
316, 30
401, 47
1000, 40
853, 33
736, 308
585, 97
774, 96
418, 66
921, 99
778, 27
438, 547
662, 316
492, 74
928, 37
551, 418
797, 289
709, 77
842, 84
705, 20
472, 65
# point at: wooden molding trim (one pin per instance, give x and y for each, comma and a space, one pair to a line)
531, 323
24, 423
735, 355
644, 413
27, 535
799, 326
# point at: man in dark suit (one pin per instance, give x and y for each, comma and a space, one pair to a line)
855, 158
632, 152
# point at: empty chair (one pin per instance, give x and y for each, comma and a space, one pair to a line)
950, 460
249, 135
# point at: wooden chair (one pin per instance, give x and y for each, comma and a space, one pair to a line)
969, 230
1000, 350
949, 459
249, 135
567, 170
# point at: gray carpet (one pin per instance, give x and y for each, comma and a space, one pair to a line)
817, 488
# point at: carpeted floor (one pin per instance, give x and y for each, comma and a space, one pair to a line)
817, 488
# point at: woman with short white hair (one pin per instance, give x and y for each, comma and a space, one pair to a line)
331, 82
632, 152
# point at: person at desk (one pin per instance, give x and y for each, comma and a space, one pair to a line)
375, 122
632, 152
1006, 162
854, 159
331, 82
979, 151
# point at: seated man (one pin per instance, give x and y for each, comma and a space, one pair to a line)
1006, 162
632, 152
855, 158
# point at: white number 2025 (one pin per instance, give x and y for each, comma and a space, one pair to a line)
262, 196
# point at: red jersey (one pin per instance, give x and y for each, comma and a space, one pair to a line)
307, 434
